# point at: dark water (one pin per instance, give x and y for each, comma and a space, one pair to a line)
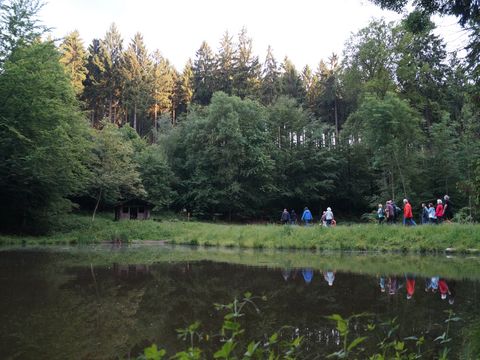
92, 305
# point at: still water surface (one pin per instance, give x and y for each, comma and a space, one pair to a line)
106, 303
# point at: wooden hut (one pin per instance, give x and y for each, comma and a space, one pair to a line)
134, 209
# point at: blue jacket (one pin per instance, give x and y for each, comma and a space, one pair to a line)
307, 215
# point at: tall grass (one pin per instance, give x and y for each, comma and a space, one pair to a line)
74, 229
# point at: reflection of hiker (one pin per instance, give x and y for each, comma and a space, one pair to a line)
285, 218
306, 216
329, 277
307, 275
382, 284
293, 217
393, 285
410, 285
432, 283
286, 273
452, 284
329, 216
443, 287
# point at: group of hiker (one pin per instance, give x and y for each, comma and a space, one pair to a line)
430, 214
291, 217
392, 284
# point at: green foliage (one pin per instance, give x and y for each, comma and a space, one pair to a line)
157, 178
43, 141
19, 25
390, 345
115, 175
412, 128
226, 163
231, 344
389, 127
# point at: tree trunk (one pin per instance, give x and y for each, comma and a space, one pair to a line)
393, 187
336, 123
155, 116
96, 205
110, 106
135, 117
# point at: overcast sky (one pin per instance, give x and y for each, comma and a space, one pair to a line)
304, 30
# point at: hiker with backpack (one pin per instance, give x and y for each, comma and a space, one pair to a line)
424, 214
285, 218
307, 216
408, 214
390, 212
397, 212
329, 216
380, 214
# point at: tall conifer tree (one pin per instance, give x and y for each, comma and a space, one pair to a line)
270, 78
203, 70
74, 58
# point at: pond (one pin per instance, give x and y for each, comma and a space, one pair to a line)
106, 302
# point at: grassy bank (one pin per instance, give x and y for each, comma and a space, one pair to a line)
78, 229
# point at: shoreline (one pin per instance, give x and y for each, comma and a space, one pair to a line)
78, 229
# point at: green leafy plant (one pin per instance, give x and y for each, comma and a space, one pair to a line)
231, 342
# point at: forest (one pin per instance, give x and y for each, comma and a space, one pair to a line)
231, 136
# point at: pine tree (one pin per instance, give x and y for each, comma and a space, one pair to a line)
270, 78
224, 65
74, 58
183, 90
95, 91
246, 78
310, 84
291, 82
112, 58
203, 70
136, 70
164, 79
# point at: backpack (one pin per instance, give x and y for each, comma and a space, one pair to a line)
397, 210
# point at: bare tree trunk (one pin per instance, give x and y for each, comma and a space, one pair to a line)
110, 106
96, 205
155, 116
135, 117
393, 186
336, 123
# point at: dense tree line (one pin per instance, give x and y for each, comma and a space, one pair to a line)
230, 136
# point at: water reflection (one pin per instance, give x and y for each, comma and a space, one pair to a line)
84, 304
307, 275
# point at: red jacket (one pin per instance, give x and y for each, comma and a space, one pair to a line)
439, 210
407, 211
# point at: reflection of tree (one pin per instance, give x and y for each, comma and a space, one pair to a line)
70, 310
